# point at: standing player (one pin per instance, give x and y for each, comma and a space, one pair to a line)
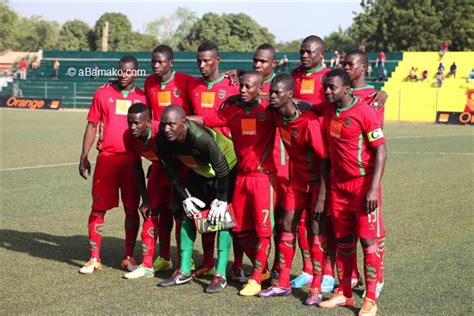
140, 141
253, 133
207, 94
300, 131
112, 173
211, 158
162, 88
358, 154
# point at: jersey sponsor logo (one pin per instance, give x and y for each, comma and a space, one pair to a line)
248, 126
207, 99
348, 122
176, 92
335, 128
375, 134
121, 106
164, 98
307, 86
221, 94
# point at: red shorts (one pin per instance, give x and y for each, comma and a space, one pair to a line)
159, 188
253, 202
299, 196
113, 172
349, 210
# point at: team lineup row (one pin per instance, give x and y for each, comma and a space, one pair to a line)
276, 155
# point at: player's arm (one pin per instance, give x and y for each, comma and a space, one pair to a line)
372, 194
87, 141
234, 75
321, 200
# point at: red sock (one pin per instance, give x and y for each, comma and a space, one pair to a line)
304, 245
345, 262
208, 249
165, 228
132, 226
318, 257
238, 253
149, 235
371, 270
355, 270
381, 253
260, 265
96, 225
276, 239
287, 252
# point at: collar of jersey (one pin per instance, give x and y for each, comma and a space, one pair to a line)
164, 83
367, 86
249, 105
340, 110
315, 69
297, 114
125, 93
270, 79
210, 84
145, 144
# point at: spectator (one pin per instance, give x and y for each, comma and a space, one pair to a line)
444, 49
382, 74
452, 70
470, 76
424, 75
381, 58
283, 64
335, 59
439, 79
441, 68
369, 70
36, 63
56, 69
412, 74
23, 65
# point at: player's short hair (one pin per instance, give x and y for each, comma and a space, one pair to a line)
165, 50
173, 108
361, 54
138, 108
341, 73
285, 79
253, 73
208, 45
129, 59
316, 39
268, 47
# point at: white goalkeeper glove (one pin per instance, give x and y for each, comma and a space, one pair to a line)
217, 212
190, 203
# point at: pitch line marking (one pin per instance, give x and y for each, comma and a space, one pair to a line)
43, 166
429, 153
427, 136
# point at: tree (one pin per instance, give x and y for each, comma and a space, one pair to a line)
340, 41
8, 27
291, 46
35, 33
231, 32
398, 25
120, 32
171, 30
74, 35
142, 42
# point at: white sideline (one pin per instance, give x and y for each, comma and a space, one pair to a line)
43, 166
429, 153
428, 136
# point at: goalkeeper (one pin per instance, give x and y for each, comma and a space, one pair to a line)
211, 158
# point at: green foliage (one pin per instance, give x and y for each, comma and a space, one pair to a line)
291, 46
35, 33
143, 42
231, 32
120, 32
419, 25
340, 41
8, 27
75, 35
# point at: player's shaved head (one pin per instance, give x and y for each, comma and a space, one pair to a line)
129, 59
285, 80
164, 50
313, 39
173, 110
257, 75
360, 54
173, 123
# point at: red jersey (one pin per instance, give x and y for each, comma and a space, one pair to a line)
137, 149
302, 138
309, 87
351, 131
207, 97
109, 109
172, 91
266, 86
367, 94
253, 133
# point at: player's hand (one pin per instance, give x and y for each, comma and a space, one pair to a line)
217, 212
84, 167
372, 200
233, 75
380, 97
145, 210
191, 206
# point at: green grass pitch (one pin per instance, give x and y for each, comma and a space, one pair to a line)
427, 207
